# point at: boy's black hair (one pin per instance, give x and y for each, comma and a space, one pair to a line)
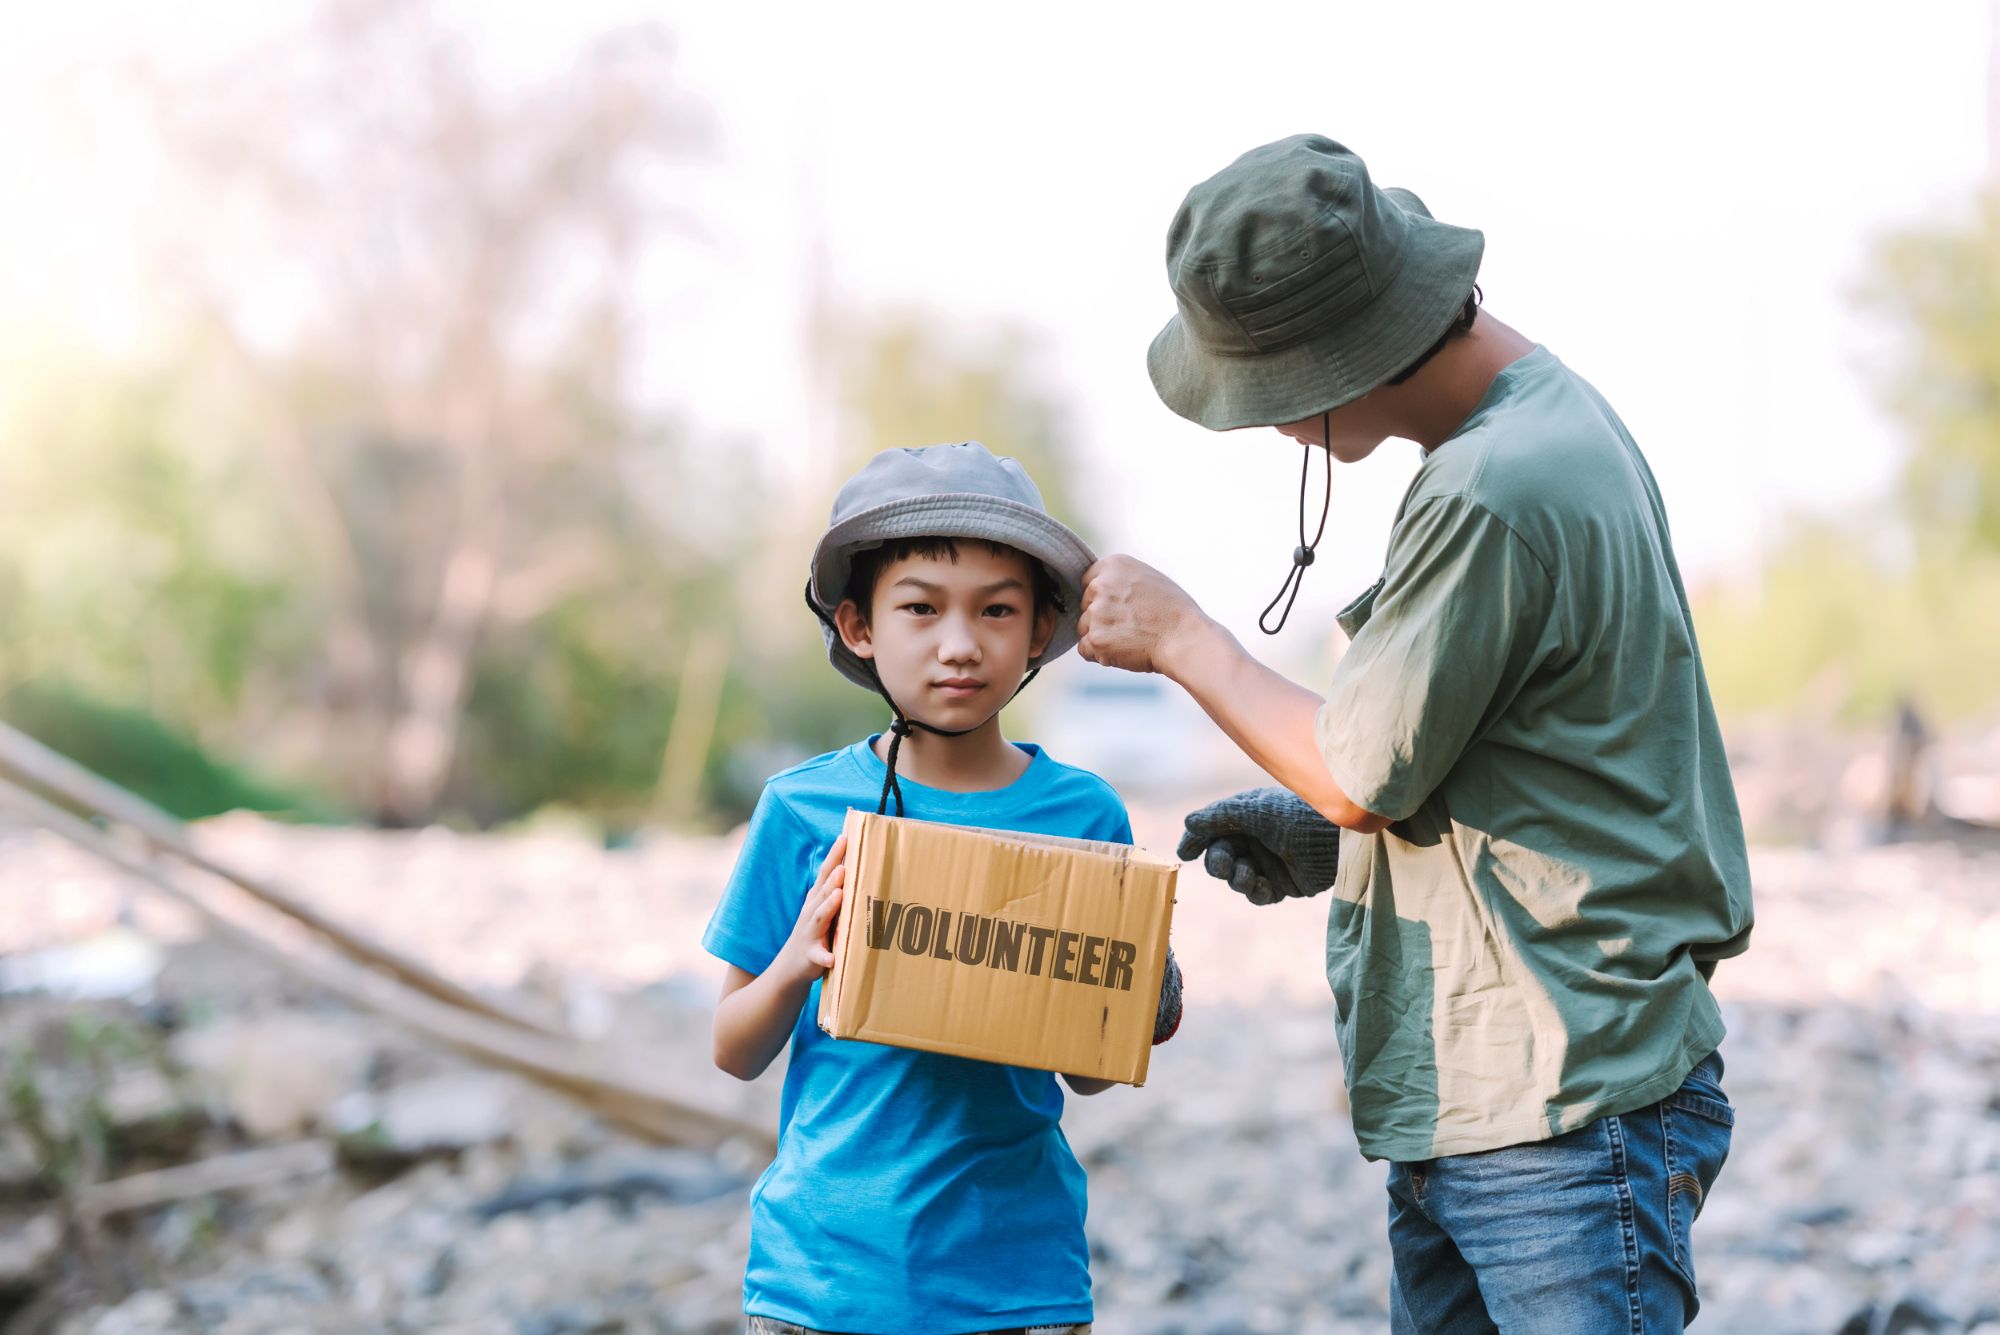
1461, 324
867, 567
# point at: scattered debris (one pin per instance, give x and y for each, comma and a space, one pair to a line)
676, 1177
271, 1166
1862, 1192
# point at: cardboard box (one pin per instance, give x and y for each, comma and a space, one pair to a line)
1017, 948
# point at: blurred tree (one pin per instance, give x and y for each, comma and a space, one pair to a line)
115, 578
1859, 613
418, 281
162, 766
907, 380
1941, 288
394, 520
118, 585
1838, 626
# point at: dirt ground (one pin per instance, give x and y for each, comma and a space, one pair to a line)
1862, 1193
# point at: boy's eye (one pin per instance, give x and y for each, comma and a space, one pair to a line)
919, 609
1000, 610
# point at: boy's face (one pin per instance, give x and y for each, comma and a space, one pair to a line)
951, 639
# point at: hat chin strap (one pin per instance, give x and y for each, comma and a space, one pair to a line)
1303, 554
901, 725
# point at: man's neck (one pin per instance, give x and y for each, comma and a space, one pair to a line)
977, 762
1435, 402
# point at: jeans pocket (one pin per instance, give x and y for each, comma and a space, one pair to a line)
1697, 1124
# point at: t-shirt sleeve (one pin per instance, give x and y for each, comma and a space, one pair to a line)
1117, 825
761, 903
1462, 620
1107, 819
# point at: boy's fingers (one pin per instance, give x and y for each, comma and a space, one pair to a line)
821, 900
833, 857
827, 883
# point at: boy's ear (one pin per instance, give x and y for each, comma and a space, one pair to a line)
854, 629
1045, 630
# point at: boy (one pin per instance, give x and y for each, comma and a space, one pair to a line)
912, 1190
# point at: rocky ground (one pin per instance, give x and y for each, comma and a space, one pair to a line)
1862, 1196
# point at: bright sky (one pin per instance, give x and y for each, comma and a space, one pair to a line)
1676, 199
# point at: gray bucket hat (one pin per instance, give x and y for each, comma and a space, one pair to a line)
942, 491
1301, 286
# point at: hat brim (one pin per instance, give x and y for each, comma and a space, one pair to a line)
954, 515
1224, 392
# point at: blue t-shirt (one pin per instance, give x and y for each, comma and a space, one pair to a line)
911, 1190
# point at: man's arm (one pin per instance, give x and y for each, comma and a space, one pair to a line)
1137, 619
1272, 718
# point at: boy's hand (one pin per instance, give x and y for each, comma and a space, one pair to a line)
757, 1011
808, 952
1267, 844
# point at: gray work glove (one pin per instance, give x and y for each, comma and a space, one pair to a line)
1168, 1017
1266, 843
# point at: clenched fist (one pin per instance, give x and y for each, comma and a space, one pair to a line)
1132, 615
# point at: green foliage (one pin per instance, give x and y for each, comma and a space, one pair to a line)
572, 708
136, 751
1833, 627
1856, 614
906, 380
145, 592
58, 1153
787, 707
423, 548
1941, 287
163, 622
55, 1091
134, 563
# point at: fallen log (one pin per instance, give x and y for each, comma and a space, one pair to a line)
587, 1074
33, 765
266, 1167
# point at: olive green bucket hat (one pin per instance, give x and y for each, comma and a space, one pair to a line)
1301, 286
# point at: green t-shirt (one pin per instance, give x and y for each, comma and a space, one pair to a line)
1526, 948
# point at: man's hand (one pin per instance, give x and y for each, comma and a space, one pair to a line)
1135, 618
1167, 1017
808, 952
1166, 1020
1132, 615
1266, 843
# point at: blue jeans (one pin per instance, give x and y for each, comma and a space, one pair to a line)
1585, 1234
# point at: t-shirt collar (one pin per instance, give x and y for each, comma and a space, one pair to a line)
1511, 377
863, 755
